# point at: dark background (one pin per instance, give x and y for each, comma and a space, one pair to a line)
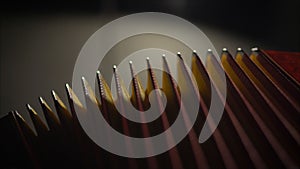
40, 40
273, 21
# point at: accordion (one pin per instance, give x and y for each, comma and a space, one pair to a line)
259, 128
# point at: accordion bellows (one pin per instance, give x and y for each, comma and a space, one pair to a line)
259, 128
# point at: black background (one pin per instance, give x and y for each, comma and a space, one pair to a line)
276, 22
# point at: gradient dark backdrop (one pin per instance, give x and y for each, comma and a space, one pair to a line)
40, 40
